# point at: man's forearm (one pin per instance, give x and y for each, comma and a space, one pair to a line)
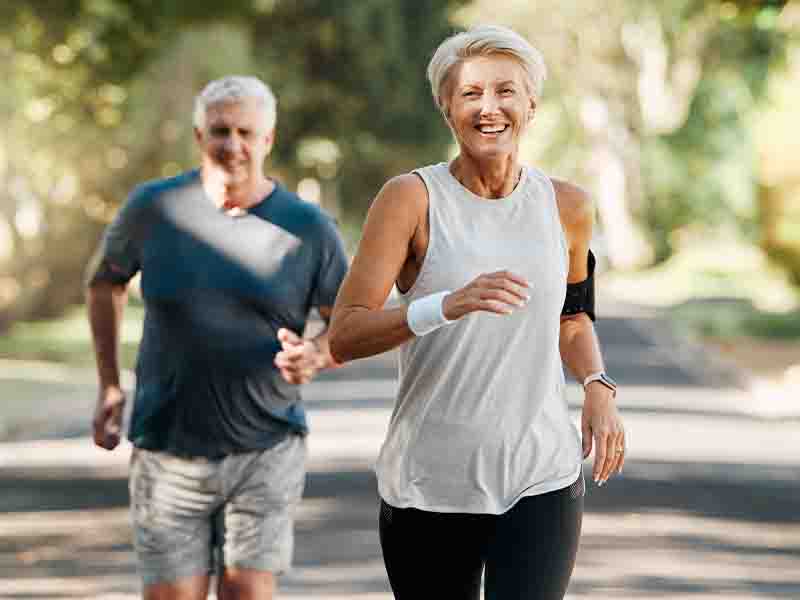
105, 304
579, 346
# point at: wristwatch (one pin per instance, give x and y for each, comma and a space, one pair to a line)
601, 377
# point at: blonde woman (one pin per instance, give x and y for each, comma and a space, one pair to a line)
481, 466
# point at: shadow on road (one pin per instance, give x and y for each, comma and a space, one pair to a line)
337, 531
661, 529
702, 493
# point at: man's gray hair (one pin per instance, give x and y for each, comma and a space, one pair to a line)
484, 40
232, 89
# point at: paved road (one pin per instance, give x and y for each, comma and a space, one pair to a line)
707, 506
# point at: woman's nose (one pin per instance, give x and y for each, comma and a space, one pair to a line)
489, 104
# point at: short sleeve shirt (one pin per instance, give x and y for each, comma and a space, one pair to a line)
217, 288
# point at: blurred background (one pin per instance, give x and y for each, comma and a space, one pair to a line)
679, 116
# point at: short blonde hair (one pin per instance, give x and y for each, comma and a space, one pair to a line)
485, 40
234, 88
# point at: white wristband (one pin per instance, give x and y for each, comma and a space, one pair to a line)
425, 314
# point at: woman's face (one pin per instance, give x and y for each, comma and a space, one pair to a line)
489, 105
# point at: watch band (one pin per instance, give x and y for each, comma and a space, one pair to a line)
603, 378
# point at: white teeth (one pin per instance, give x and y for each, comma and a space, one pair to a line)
491, 128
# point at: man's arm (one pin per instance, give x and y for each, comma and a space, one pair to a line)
301, 358
105, 303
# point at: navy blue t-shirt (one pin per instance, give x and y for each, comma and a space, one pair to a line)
217, 288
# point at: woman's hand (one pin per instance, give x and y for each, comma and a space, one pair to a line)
499, 292
601, 427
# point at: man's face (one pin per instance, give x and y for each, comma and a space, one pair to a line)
234, 141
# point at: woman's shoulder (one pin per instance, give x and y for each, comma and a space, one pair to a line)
407, 190
401, 204
574, 203
407, 183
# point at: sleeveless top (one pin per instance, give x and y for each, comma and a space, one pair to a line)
481, 418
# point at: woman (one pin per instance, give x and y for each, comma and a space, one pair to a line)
481, 466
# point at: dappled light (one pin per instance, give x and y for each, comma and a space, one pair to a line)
679, 119
658, 114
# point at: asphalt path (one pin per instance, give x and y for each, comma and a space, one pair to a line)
707, 506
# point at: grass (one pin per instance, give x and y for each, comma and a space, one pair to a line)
716, 289
734, 319
68, 340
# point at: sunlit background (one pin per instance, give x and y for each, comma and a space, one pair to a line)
679, 116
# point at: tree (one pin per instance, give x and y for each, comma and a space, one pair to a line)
648, 102
99, 98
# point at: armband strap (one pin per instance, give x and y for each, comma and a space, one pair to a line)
580, 296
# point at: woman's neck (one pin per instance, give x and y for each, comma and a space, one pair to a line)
488, 178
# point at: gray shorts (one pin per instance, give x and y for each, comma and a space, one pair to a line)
183, 508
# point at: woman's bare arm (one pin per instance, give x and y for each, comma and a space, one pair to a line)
580, 349
395, 225
360, 326
601, 425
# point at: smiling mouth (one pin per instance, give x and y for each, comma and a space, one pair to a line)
491, 130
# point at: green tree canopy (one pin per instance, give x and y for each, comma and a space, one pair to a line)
649, 104
98, 97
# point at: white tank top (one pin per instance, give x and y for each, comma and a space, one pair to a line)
481, 418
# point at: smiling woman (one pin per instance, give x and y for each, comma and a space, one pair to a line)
481, 459
488, 107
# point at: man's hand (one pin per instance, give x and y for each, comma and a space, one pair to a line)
107, 422
601, 426
299, 359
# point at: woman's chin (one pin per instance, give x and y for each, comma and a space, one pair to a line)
491, 151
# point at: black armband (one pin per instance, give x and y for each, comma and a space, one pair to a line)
580, 296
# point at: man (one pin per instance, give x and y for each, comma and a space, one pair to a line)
231, 263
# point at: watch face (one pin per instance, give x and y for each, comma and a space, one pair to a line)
608, 381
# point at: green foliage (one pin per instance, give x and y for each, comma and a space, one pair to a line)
695, 175
705, 172
98, 96
734, 318
788, 257
356, 78
67, 339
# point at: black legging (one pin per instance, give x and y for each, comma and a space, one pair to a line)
528, 552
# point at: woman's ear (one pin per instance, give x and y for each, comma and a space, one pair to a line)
445, 112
